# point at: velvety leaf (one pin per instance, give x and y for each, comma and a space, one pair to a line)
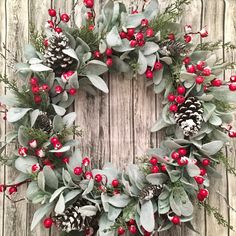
223, 94
160, 124
57, 124
212, 147
142, 63
33, 116
215, 120
119, 200
60, 206
57, 193
71, 53
15, 113
69, 119
59, 110
29, 52
167, 60
192, 169
40, 68
9, 100
150, 48
157, 178
209, 108
76, 159
22, 136
124, 47
24, 164
98, 82
41, 181
113, 38
72, 194
88, 210
147, 216
95, 67
51, 179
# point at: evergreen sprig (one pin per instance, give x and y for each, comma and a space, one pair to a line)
223, 159
37, 39
212, 46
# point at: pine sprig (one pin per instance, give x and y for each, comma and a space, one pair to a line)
218, 216
37, 39
212, 46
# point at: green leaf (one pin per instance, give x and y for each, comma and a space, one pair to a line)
175, 175
212, 147
40, 214
69, 119
88, 210
98, 82
223, 94
120, 65
15, 113
158, 76
57, 193
40, 68
134, 20
29, 52
72, 194
32, 190
147, 216
150, 48
124, 47
24, 164
58, 124
174, 206
33, 116
113, 38
60, 206
142, 63
215, 120
41, 181
63, 149
185, 76
89, 189
9, 100
113, 213
71, 53
192, 169
157, 178
73, 81
51, 179
160, 124
119, 200
76, 159
95, 67
167, 60
59, 110
22, 136
209, 108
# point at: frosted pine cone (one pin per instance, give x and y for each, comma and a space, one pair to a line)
150, 191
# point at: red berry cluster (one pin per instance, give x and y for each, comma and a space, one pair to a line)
176, 99
11, 189
89, 4
85, 169
189, 34
155, 166
180, 156
131, 226
106, 56
230, 131
232, 84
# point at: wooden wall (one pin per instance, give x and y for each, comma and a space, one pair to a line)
116, 125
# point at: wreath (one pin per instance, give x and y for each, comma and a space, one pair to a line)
160, 190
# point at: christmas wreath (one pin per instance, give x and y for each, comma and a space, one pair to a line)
160, 190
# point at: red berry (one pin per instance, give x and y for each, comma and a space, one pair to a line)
72, 91
216, 82
115, 192
203, 192
115, 183
206, 71
149, 32
57, 145
158, 65
201, 65
89, 15
180, 99
35, 89
88, 175
182, 151
199, 79
48, 222
191, 69
58, 154
133, 43
37, 99
35, 168
132, 222
97, 54
199, 179
52, 12
133, 229
86, 161
187, 38
232, 87
155, 169
175, 155
2, 188
45, 87
182, 162
65, 160
54, 140
135, 12
144, 22
120, 230
200, 197
181, 90
109, 52
23, 151
58, 30
34, 81
65, 17
232, 134
58, 89
91, 27
122, 35
233, 78
12, 190
173, 108
149, 74
187, 60
141, 43
203, 171
98, 178
153, 161
78, 170
206, 162
51, 24
163, 168
109, 62
130, 32
171, 97
89, 3
175, 220
171, 37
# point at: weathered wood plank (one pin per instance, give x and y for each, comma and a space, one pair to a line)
213, 17
17, 36
230, 25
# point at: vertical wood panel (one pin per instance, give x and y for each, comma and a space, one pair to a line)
213, 17
17, 36
229, 36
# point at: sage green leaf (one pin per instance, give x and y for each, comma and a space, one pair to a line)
32, 190
63, 149
16, 113
33, 61
10, 136
98, 82
150, 48
9, 100
157, 178
119, 200
219, 135
209, 108
89, 189
33, 116
163, 205
215, 120
95, 67
88, 210
211, 61
57, 193
71, 53
160, 124
113, 38
40, 214
175, 175
165, 226
58, 124
142, 63
23, 138
160, 87
104, 225
24, 164
60, 206
175, 208
59, 110
69, 119
76, 159
73, 81
51, 179
147, 216
223, 94
40, 68
185, 76
41, 180
134, 20
151, 59
158, 76
167, 60
72, 41
212, 147
120, 65
113, 213
29, 52
124, 47
192, 169
151, 10
72, 194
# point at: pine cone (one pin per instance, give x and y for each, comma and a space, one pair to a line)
73, 218
150, 191
189, 116
44, 123
54, 56
173, 47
